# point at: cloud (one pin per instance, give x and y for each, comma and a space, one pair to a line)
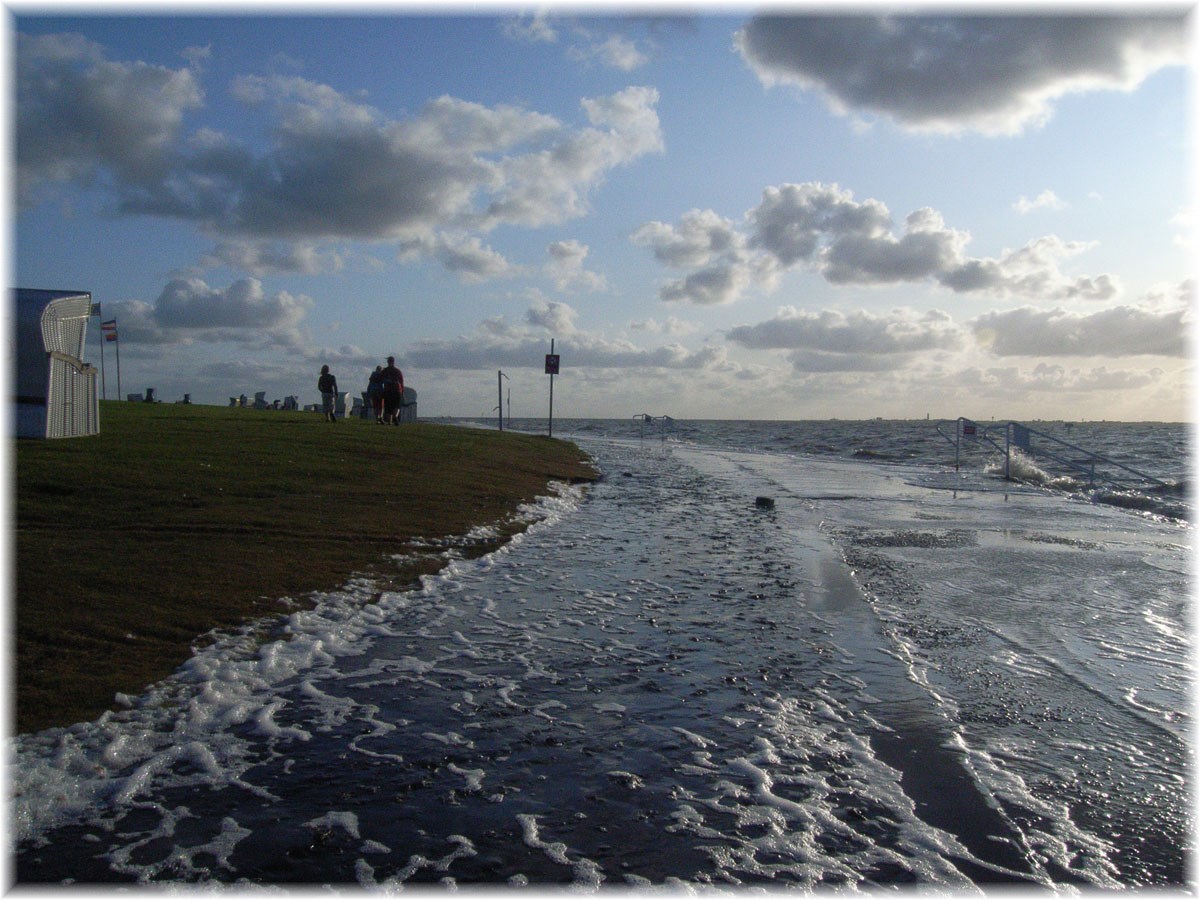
595, 42
79, 114
534, 29
671, 327
830, 340
556, 318
1117, 332
188, 309
991, 74
333, 168
269, 257
499, 343
615, 51
550, 186
824, 229
700, 236
1047, 199
566, 270
470, 260
1030, 271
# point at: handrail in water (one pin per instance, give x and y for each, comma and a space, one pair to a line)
1018, 436
665, 424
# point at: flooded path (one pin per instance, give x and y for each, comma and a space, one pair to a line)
657, 683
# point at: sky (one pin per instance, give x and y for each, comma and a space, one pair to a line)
802, 213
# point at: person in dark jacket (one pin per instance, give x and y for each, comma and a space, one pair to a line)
375, 393
393, 391
327, 385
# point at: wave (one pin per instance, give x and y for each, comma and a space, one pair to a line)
1167, 500
1023, 469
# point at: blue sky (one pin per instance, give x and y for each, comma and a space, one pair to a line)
719, 215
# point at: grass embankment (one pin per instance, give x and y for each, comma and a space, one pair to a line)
176, 520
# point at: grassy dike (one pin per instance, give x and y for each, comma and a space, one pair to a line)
132, 545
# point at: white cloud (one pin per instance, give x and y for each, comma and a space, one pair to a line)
822, 228
700, 236
470, 260
188, 310
268, 257
1120, 331
993, 74
830, 340
556, 318
615, 51
534, 29
671, 327
1047, 199
499, 343
336, 168
566, 270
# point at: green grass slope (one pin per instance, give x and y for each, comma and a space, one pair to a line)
176, 520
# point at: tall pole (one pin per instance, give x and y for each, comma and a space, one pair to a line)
103, 384
500, 398
118, 343
551, 428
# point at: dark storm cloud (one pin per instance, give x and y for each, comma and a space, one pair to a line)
78, 113
995, 74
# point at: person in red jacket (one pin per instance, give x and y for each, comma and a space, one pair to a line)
393, 391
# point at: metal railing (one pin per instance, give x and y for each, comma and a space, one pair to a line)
665, 425
1020, 438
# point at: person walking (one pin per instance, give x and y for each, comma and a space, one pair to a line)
327, 385
393, 391
375, 393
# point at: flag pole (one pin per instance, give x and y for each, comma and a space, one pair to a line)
103, 384
118, 343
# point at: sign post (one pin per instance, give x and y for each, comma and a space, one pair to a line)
500, 397
551, 370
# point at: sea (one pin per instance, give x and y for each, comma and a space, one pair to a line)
831, 655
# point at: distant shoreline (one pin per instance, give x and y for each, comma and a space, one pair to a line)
177, 521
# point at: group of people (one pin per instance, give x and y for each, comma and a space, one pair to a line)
385, 393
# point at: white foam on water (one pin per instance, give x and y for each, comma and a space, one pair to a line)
184, 731
585, 872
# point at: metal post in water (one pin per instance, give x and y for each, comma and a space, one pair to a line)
1007, 451
500, 397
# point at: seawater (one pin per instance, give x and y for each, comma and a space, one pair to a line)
899, 673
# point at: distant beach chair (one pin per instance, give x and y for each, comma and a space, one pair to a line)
408, 406
260, 400
150, 395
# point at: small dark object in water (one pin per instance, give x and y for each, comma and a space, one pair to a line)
764, 502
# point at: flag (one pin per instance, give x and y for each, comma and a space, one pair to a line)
110, 335
110, 325
95, 309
